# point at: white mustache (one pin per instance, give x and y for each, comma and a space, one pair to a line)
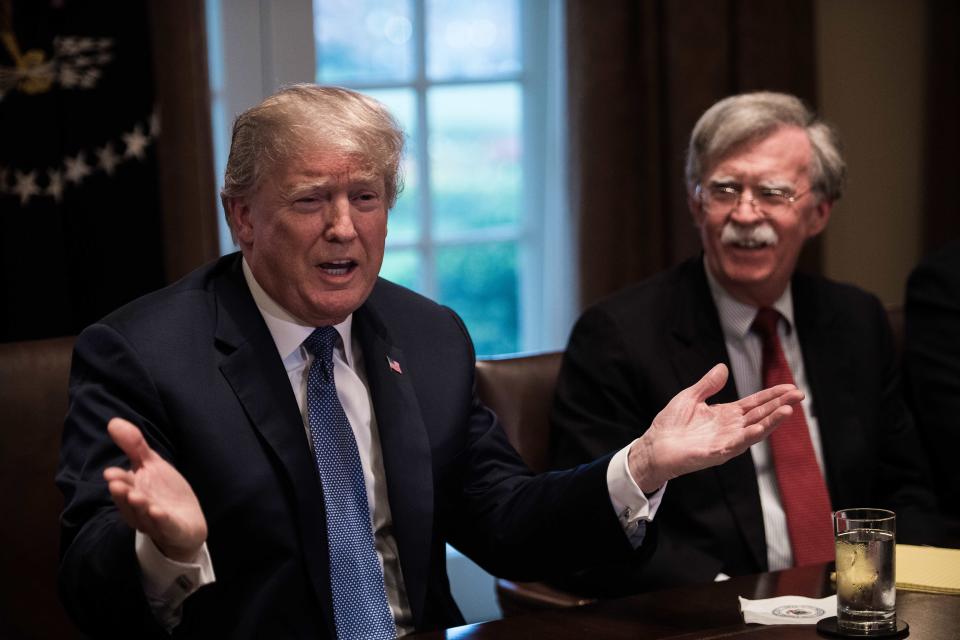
757, 235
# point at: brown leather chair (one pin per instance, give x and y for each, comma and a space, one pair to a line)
33, 402
519, 389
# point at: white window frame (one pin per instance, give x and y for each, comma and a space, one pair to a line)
257, 46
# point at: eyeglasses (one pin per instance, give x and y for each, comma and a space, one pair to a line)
724, 198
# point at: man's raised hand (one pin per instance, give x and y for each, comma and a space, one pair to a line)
153, 497
689, 435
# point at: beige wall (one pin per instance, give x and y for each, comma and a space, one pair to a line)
871, 85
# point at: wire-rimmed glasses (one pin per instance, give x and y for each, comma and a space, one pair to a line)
724, 198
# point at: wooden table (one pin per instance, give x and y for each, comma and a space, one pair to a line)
705, 612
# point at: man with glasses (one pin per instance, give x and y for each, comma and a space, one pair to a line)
762, 176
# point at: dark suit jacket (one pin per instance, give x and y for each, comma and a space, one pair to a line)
932, 366
196, 368
630, 354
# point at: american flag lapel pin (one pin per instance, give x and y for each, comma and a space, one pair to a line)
394, 365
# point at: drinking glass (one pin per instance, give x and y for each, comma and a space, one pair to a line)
866, 576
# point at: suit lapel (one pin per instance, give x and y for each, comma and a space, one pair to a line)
825, 341
253, 368
405, 448
698, 345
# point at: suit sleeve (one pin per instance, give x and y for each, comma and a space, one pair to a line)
932, 368
523, 526
99, 578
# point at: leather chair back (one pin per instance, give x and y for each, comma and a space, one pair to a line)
519, 389
33, 403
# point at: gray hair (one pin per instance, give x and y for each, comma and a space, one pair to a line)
750, 117
303, 116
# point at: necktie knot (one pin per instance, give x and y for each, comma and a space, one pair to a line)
320, 343
765, 323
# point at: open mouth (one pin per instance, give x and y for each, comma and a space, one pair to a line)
338, 267
751, 243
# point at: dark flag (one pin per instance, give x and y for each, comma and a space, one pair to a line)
80, 229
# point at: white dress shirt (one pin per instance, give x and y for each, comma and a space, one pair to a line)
745, 348
168, 583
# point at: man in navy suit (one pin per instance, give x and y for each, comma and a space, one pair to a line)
763, 173
199, 500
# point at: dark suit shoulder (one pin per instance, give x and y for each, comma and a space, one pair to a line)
824, 298
833, 290
412, 317
651, 302
164, 301
388, 294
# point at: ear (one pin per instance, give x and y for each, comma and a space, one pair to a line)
819, 216
239, 215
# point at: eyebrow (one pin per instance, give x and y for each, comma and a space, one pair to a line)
298, 188
766, 183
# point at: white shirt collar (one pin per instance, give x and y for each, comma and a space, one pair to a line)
735, 316
288, 331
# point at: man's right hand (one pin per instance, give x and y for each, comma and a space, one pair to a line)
153, 497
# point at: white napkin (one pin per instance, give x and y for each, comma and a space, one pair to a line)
788, 610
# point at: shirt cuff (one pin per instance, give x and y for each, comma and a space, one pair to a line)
168, 583
633, 508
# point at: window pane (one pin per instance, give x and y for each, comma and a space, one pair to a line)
404, 219
402, 266
363, 40
480, 283
472, 39
475, 157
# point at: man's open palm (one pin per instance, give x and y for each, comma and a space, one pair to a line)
689, 435
153, 497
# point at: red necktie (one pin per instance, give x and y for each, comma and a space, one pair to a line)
802, 488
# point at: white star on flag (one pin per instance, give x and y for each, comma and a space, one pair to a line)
89, 79
136, 143
67, 45
107, 159
68, 76
55, 188
77, 168
26, 185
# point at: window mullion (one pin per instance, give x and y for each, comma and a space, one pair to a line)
428, 274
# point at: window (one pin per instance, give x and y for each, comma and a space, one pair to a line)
481, 225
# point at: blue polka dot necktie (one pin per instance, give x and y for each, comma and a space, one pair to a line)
356, 578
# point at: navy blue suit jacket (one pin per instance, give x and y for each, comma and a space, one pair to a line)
195, 367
